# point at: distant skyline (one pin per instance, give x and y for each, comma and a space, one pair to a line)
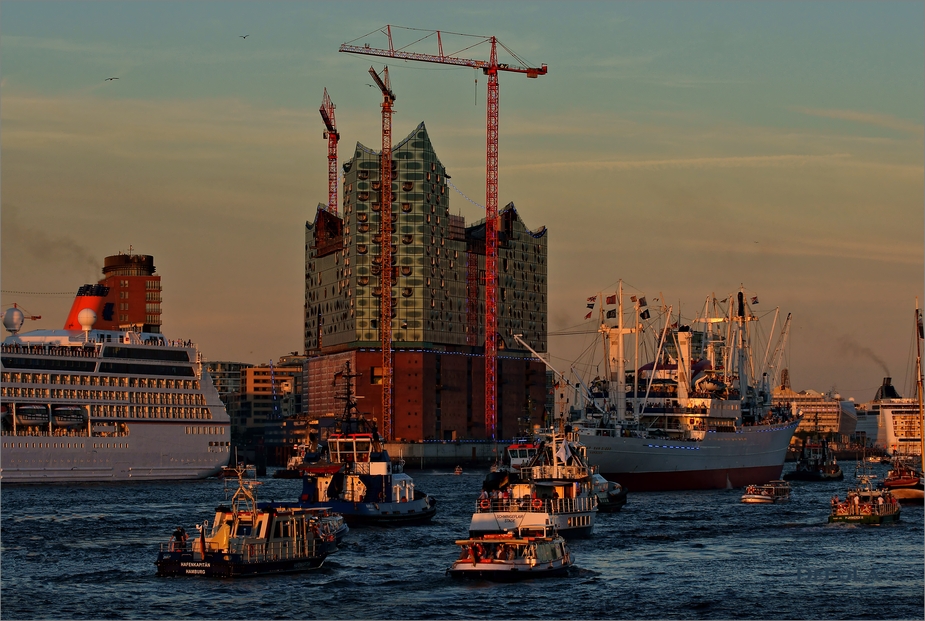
687, 148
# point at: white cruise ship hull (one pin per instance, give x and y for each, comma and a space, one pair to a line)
150, 451
750, 456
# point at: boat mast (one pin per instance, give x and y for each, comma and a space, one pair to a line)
621, 363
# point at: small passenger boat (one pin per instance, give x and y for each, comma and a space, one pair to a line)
458, 470
775, 491
611, 496
248, 539
905, 482
865, 505
511, 556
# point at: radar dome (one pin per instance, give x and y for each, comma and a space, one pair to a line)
12, 320
86, 318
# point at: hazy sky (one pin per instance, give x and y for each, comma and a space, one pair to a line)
686, 148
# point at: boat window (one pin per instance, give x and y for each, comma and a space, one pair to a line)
244, 530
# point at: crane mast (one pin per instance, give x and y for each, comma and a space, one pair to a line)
385, 247
333, 136
491, 69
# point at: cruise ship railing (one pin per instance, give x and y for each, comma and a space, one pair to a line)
536, 505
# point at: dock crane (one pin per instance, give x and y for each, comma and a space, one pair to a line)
333, 136
385, 247
491, 68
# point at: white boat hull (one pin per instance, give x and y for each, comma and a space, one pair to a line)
751, 455
150, 451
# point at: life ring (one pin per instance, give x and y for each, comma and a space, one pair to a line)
484, 503
537, 504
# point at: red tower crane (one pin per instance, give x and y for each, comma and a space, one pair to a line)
385, 247
491, 67
331, 133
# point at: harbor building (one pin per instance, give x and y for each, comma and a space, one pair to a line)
226, 376
129, 296
437, 299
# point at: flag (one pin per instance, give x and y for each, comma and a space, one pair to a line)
591, 305
588, 316
563, 453
754, 299
642, 302
644, 314
593, 298
611, 299
633, 298
611, 314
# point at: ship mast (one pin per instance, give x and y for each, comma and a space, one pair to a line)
919, 335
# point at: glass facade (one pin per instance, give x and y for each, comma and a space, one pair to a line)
437, 265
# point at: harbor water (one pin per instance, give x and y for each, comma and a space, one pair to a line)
87, 551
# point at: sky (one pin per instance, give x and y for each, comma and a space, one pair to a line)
687, 149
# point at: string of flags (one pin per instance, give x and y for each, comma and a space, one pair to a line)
611, 300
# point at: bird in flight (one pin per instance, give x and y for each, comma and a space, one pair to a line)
244, 36
108, 79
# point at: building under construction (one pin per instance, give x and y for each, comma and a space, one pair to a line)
438, 303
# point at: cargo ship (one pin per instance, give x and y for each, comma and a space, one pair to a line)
699, 416
83, 405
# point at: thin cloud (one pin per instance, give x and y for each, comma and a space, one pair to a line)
749, 161
881, 120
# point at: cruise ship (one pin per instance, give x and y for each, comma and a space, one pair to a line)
898, 421
82, 405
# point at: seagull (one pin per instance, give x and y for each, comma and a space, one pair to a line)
108, 79
244, 36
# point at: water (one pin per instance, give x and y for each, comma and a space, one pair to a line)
88, 551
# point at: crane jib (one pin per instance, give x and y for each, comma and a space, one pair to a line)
532, 72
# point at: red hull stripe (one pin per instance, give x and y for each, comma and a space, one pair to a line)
694, 479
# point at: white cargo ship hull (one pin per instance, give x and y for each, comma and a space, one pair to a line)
751, 455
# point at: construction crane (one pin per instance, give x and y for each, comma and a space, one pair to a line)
491, 67
333, 136
385, 247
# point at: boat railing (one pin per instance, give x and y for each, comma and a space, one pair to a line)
539, 473
536, 505
253, 552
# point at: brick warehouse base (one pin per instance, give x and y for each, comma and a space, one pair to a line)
437, 395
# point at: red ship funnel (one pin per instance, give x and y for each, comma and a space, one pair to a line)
92, 297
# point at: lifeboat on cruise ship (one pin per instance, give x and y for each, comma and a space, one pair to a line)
31, 415
69, 416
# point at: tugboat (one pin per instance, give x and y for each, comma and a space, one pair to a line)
248, 539
816, 463
353, 475
611, 496
775, 491
513, 555
554, 488
865, 505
